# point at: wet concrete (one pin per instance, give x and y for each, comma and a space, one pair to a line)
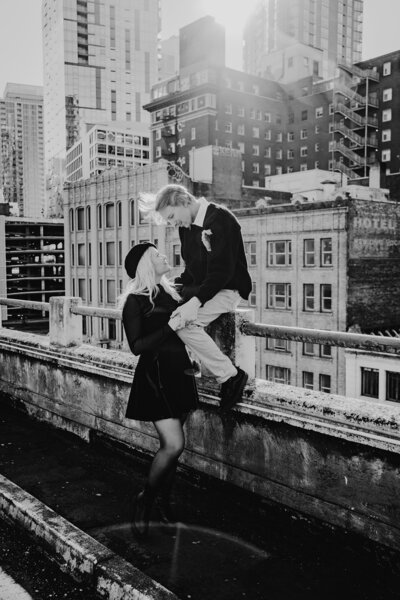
228, 545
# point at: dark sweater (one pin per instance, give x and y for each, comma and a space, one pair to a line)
224, 267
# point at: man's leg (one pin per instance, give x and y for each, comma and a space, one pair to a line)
197, 340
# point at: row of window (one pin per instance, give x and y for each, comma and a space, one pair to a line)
84, 254
309, 348
279, 253
109, 213
283, 374
107, 290
279, 296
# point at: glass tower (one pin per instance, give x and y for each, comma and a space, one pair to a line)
100, 59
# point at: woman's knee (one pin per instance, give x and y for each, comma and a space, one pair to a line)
174, 446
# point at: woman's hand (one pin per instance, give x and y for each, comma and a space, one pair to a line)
175, 322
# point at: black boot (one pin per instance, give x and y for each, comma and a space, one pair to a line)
166, 511
142, 505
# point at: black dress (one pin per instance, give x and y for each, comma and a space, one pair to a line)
160, 388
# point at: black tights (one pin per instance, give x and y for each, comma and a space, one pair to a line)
163, 468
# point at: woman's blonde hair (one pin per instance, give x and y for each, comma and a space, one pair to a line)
144, 283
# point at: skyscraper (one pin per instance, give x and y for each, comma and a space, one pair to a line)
100, 59
333, 26
21, 149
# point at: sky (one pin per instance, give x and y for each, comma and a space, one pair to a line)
21, 38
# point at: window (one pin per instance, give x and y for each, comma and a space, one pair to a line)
279, 296
110, 253
279, 136
255, 132
267, 117
250, 249
193, 133
316, 147
132, 211
278, 155
110, 215
308, 297
277, 345
253, 294
290, 136
72, 255
317, 129
228, 127
228, 109
308, 349
290, 154
386, 135
387, 115
256, 150
82, 289
392, 386
325, 351
120, 255
88, 219
279, 253
303, 134
158, 151
241, 147
101, 298
387, 94
89, 254
71, 220
385, 155
308, 380
255, 168
110, 291
326, 252
267, 170
319, 112
100, 253
326, 297
240, 129
325, 383
81, 254
387, 68
303, 151
119, 214
309, 253
331, 109
304, 115
112, 329
278, 119
267, 134
240, 111
277, 374
99, 216
303, 167
80, 219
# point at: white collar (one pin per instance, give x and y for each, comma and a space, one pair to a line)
201, 213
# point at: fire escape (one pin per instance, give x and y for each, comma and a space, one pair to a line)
355, 121
169, 136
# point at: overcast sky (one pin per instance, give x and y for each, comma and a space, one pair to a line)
21, 38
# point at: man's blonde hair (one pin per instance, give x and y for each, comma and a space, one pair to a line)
172, 195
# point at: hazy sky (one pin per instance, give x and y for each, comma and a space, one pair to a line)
21, 38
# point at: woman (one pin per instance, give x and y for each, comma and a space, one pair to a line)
161, 390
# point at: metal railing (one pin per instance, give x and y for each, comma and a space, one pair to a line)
299, 334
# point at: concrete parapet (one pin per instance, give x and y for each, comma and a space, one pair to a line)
331, 457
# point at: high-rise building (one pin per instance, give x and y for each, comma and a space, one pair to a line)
100, 59
21, 149
333, 26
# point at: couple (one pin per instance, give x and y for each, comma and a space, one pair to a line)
161, 319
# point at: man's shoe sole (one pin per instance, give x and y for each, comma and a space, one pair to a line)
237, 397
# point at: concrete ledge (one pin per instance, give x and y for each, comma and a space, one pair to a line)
81, 555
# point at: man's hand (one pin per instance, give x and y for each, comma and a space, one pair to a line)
188, 311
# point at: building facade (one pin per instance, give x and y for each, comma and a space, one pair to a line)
105, 147
22, 149
33, 255
333, 26
100, 59
373, 375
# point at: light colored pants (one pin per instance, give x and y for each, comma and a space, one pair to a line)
201, 344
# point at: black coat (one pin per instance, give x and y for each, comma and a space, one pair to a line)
160, 388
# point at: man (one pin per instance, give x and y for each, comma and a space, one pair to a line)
214, 279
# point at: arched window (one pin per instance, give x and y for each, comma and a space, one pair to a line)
110, 214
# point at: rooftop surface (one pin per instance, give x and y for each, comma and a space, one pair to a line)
229, 544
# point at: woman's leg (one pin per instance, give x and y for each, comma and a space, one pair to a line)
172, 440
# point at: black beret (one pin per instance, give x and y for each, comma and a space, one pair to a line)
133, 257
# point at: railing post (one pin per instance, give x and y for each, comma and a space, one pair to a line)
240, 348
65, 327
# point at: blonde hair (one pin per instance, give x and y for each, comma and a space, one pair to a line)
144, 283
169, 195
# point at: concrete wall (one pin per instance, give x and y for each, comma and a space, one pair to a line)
333, 458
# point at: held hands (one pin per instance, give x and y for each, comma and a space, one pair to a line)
175, 322
187, 313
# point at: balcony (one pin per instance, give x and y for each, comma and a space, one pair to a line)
361, 73
358, 160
